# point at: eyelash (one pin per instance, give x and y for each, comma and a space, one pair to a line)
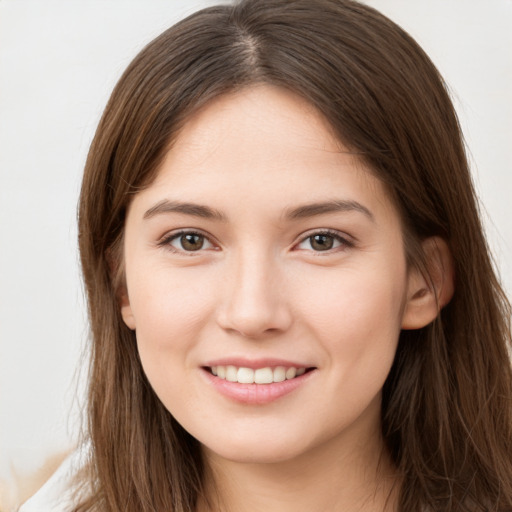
167, 240
344, 242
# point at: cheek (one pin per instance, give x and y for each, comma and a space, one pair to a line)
161, 298
354, 298
356, 321
170, 308
169, 314
357, 315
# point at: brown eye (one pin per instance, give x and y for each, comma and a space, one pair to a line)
191, 241
325, 241
321, 242
188, 241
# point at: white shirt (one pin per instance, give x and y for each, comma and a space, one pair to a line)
56, 495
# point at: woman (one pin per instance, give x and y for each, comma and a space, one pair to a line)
291, 298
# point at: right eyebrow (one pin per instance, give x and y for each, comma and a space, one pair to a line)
193, 209
322, 208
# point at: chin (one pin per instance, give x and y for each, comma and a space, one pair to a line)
255, 456
260, 450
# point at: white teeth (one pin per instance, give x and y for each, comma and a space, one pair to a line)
245, 375
265, 375
231, 373
291, 373
279, 374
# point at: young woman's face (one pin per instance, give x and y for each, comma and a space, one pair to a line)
266, 254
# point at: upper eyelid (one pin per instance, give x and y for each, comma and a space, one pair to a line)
172, 235
346, 241
341, 235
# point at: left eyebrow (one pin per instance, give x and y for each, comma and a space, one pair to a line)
195, 210
339, 205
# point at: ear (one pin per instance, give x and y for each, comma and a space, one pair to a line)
428, 293
116, 266
126, 309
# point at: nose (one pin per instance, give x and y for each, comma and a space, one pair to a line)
254, 302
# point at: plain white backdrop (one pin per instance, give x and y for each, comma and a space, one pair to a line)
59, 60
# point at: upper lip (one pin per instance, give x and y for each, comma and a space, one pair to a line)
241, 362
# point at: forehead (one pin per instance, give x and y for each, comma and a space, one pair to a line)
263, 145
261, 111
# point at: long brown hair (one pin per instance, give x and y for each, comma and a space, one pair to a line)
446, 412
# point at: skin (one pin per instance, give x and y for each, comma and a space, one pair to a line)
258, 288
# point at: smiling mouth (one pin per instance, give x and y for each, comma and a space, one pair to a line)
266, 375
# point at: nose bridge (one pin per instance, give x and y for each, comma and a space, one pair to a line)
254, 302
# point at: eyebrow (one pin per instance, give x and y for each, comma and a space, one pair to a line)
300, 212
196, 210
334, 206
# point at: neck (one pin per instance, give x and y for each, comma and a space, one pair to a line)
353, 475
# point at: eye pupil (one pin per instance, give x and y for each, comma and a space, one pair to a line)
192, 242
322, 242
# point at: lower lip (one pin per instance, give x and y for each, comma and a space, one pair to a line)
256, 394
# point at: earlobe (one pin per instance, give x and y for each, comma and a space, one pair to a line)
428, 293
126, 309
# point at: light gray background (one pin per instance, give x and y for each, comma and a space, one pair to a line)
59, 60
